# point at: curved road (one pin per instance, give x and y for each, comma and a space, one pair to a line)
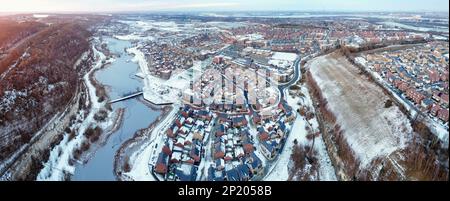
297, 74
270, 166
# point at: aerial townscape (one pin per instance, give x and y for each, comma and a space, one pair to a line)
224, 96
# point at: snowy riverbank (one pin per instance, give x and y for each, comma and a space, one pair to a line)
59, 166
146, 153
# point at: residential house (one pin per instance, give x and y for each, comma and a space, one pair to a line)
256, 118
268, 148
239, 152
214, 175
176, 157
166, 150
186, 172
427, 103
255, 164
444, 100
219, 150
244, 172
195, 153
443, 114
232, 175
219, 163
239, 121
262, 134
162, 163
220, 130
434, 109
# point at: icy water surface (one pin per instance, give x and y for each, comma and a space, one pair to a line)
121, 79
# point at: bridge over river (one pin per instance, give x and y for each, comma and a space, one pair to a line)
127, 97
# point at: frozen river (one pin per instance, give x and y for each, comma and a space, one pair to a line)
120, 79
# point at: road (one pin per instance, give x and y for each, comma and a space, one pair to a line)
270, 166
297, 75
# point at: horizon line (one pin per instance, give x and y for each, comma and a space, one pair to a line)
223, 11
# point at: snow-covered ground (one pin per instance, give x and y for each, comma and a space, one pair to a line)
251, 37
424, 29
160, 91
207, 161
436, 127
40, 16
280, 172
58, 164
182, 79
326, 169
169, 26
165, 26
370, 129
283, 59
378, 78
285, 56
148, 152
134, 36
154, 89
226, 25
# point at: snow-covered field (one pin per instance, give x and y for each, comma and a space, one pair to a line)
424, 29
169, 26
40, 16
285, 56
370, 129
227, 25
283, 59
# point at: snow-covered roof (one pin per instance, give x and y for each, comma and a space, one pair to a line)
180, 140
176, 155
238, 151
189, 137
199, 123
184, 129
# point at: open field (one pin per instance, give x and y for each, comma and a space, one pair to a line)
369, 128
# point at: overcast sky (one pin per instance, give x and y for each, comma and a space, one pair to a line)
221, 5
